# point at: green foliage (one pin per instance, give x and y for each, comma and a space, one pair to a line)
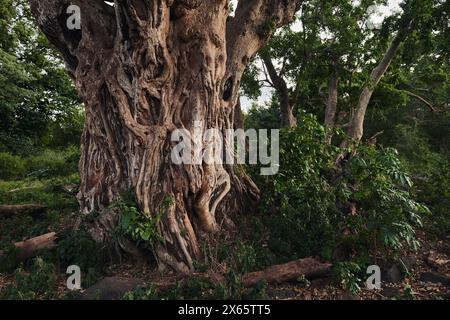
38, 103
299, 201
140, 226
259, 117
431, 175
310, 208
136, 224
76, 248
53, 163
250, 84
244, 258
40, 282
45, 164
148, 293
48, 191
11, 167
388, 216
347, 274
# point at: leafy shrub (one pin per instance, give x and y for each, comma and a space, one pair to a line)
39, 283
299, 201
138, 225
245, 258
347, 274
310, 208
78, 248
140, 293
386, 215
431, 176
11, 167
53, 163
15, 143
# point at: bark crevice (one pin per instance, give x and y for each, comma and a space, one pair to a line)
144, 70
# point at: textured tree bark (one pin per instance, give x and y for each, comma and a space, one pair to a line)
288, 118
330, 111
143, 70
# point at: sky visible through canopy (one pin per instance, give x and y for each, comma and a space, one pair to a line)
392, 7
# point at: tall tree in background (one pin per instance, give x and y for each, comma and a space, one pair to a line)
330, 45
304, 67
335, 63
416, 18
144, 69
37, 98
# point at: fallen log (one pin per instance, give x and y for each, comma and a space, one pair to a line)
29, 248
308, 267
11, 210
114, 288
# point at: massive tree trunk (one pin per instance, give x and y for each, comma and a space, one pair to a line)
143, 70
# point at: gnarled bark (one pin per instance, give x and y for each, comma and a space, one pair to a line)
143, 70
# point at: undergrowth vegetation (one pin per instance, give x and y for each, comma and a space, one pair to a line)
369, 209
363, 211
390, 193
50, 178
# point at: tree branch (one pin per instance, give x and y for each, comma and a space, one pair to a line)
249, 30
356, 127
277, 81
97, 24
252, 26
428, 104
280, 85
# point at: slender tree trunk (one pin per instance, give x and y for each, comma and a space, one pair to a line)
356, 127
288, 118
143, 70
330, 111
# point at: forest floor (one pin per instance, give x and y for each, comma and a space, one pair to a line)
427, 276
427, 269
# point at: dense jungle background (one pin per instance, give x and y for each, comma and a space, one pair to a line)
380, 199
